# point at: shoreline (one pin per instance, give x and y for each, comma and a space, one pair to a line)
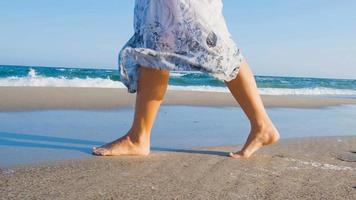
16, 98
63, 134
208, 150
293, 168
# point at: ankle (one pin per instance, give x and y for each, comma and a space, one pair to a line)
138, 138
261, 125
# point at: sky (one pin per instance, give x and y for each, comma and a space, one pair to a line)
310, 38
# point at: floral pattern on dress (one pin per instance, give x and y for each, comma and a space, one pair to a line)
180, 35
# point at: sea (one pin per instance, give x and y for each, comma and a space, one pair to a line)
179, 80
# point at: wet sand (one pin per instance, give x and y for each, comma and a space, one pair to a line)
31, 98
310, 168
31, 137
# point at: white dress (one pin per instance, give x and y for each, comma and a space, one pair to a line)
180, 35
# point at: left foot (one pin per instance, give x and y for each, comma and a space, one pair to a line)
122, 146
259, 137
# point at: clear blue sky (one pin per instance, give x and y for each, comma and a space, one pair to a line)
278, 37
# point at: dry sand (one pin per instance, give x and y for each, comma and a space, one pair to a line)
28, 98
311, 168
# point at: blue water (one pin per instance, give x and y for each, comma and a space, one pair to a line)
30, 137
80, 77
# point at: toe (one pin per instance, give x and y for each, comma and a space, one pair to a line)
234, 155
94, 149
98, 151
239, 154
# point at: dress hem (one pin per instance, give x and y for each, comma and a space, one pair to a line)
130, 59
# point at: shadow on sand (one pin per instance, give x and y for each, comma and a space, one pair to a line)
50, 142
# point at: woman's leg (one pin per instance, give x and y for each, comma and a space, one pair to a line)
263, 132
152, 86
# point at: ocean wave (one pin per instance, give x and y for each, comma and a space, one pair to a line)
277, 91
33, 79
182, 73
176, 74
60, 82
308, 91
198, 88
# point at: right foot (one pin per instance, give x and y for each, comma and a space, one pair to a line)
122, 146
259, 137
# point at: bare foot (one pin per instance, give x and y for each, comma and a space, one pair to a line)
258, 138
122, 146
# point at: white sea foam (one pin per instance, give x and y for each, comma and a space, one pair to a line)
182, 73
59, 82
32, 73
176, 74
198, 88
277, 91
308, 91
32, 79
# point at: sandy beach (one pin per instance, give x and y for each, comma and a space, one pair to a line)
46, 135
312, 168
30, 98
67, 68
